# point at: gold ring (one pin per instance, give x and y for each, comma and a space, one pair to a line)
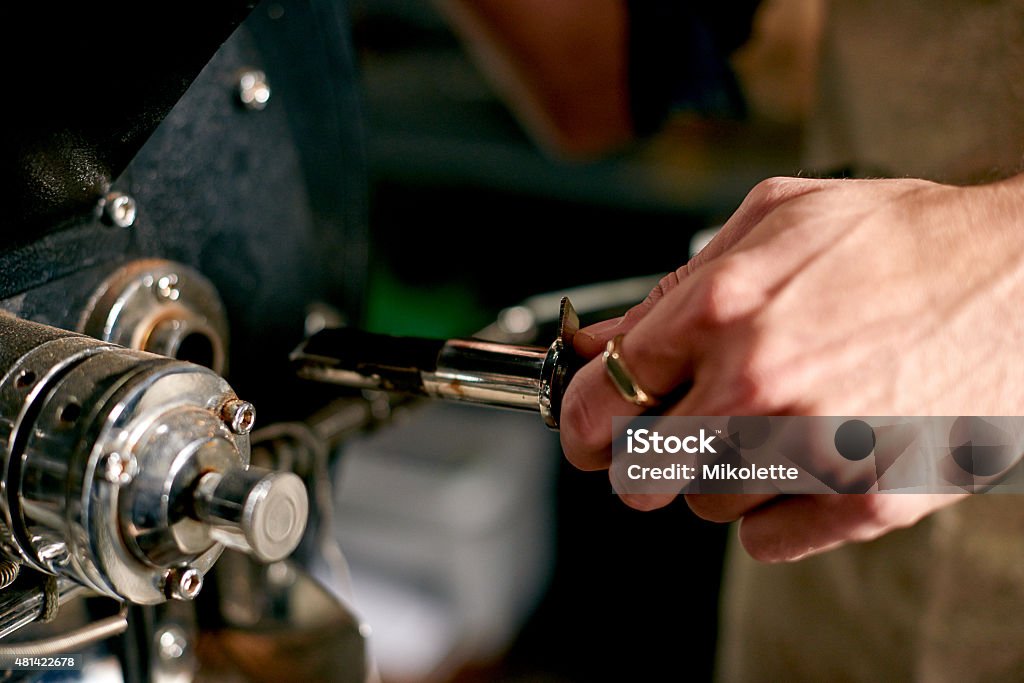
622, 378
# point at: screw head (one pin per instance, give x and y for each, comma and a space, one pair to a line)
120, 468
239, 415
183, 583
171, 642
253, 89
120, 209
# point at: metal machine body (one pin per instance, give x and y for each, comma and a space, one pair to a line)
129, 472
173, 217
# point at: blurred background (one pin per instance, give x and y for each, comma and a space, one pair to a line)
477, 552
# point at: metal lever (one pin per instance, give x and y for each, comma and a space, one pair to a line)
470, 370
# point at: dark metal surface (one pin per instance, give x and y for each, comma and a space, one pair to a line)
268, 204
83, 95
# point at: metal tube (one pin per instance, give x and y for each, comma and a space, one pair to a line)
21, 336
20, 607
502, 375
69, 642
470, 370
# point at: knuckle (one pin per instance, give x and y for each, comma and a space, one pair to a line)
772, 190
751, 388
719, 296
754, 384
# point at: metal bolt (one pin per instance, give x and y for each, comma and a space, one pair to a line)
171, 642
240, 415
253, 90
183, 583
120, 209
120, 468
166, 287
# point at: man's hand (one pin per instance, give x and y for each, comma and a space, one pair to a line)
825, 297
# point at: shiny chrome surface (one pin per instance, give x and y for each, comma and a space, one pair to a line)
260, 512
20, 605
475, 371
68, 642
183, 583
161, 307
469, 370
104, 449
9, 571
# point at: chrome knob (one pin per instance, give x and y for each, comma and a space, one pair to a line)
260, 512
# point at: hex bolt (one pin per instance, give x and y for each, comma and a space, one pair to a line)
253, 89
239, 415
171, 642
183, 583
120, 209
120, 468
